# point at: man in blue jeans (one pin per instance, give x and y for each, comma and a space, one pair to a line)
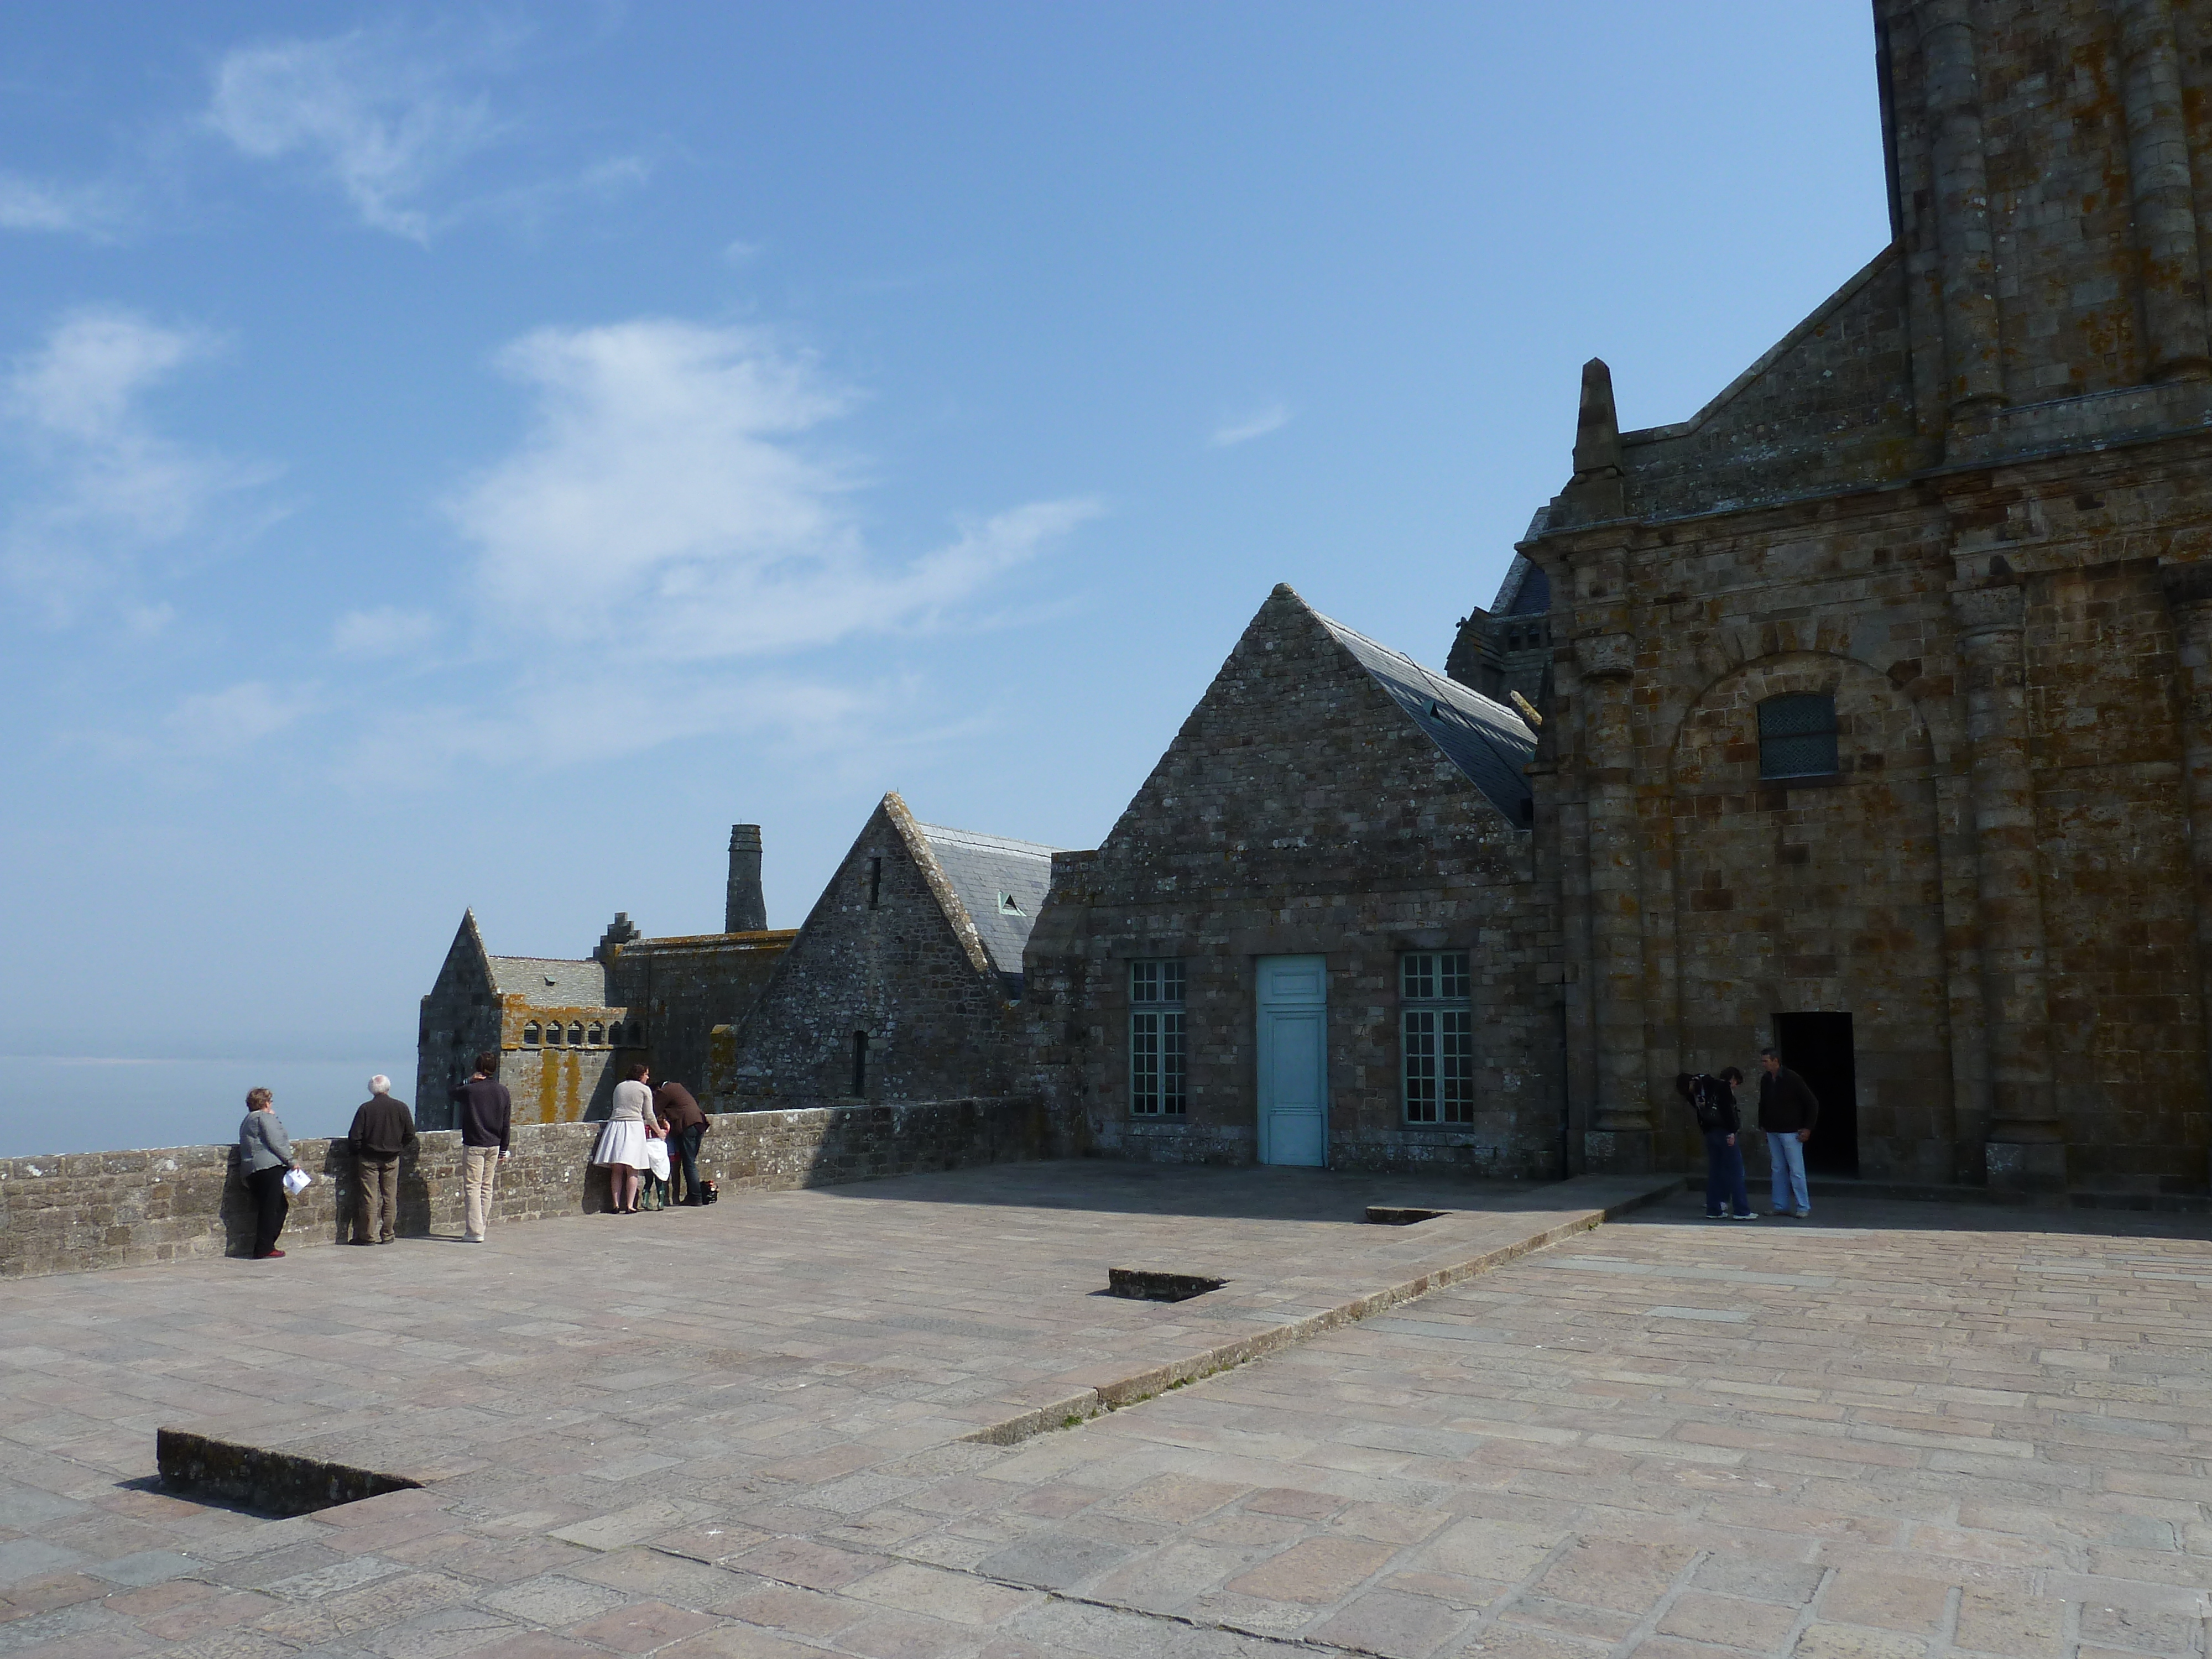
673, 1104
1788, 1110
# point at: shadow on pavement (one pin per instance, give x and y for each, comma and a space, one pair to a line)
1832, 1212
1250, 1193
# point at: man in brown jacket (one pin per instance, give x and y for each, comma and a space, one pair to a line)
1788, 1110
687, 1125
382, 1129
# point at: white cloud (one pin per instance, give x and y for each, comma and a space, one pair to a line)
385, 631
381, 121
102, 485
663, 499
91, 210
222, 722
1258, 424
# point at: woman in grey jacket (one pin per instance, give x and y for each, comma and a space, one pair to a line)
265, 1154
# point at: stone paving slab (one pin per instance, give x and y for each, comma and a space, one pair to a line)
728, 1432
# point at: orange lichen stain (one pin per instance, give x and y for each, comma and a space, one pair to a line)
549, 1087
570, 1110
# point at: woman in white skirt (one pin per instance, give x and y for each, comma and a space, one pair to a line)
622, 1143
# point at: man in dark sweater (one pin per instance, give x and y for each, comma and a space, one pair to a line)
484, 1108
687, 1125
1788, 1110
382, 1129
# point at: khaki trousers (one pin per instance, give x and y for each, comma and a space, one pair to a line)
479, 1170
376, 1199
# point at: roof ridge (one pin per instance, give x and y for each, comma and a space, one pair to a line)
984, 838
1458, 689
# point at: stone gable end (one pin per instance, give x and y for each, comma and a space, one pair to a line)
1300, 811
889, 952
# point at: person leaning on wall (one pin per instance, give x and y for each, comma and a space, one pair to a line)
687, 1125
621, 1147
484, 1110
265, 1158
382, 1129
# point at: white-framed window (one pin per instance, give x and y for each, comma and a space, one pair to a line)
1155, 1041
1436, 1037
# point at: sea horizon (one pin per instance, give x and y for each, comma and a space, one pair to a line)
55, 1104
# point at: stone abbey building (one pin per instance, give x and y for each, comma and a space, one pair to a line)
1866, 712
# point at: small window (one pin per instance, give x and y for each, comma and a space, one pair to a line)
875, 886
530, 1033
598, 1036
1156, 1038
1797, 736
861, 1063
1008, 907
553, 1032
575, 1035
1437, 1037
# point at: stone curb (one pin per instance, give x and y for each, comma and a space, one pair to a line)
1143, 1385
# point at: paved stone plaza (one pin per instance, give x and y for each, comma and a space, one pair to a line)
1907, 1431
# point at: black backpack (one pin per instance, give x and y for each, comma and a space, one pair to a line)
1709, 1099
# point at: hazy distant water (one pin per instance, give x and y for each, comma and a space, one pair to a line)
49, 1104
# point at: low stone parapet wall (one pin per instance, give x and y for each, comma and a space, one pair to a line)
83, 1210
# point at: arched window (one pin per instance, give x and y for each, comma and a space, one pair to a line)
575, 1034
529, 1033
553, 1031
598, 1035
1797, 736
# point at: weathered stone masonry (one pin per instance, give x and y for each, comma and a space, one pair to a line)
1970, 500
1302, 809
900, 985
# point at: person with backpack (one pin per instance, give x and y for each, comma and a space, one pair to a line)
1713, 1100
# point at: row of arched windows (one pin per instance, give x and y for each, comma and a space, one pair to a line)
576, 1035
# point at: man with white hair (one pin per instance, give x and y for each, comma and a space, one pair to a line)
382, 1129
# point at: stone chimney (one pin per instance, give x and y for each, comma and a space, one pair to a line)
745, 910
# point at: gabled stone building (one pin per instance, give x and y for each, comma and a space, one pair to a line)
1882, 685
555, 1022
566, 1029
903, 984
1317, 934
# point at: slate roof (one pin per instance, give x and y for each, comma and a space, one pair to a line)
1485, 740
983, 867
1526, 591
574, 984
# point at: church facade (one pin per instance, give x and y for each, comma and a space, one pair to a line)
1880, 688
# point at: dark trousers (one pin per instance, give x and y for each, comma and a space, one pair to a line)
1724, 1174
685, 1144
376, 1199
271, 1206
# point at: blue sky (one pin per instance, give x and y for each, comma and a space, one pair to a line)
474, 456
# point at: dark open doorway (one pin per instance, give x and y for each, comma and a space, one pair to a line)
1818, 1048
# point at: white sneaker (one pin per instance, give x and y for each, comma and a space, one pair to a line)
1748, 1215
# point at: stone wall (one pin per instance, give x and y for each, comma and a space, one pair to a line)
80, 1210
1300, 812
